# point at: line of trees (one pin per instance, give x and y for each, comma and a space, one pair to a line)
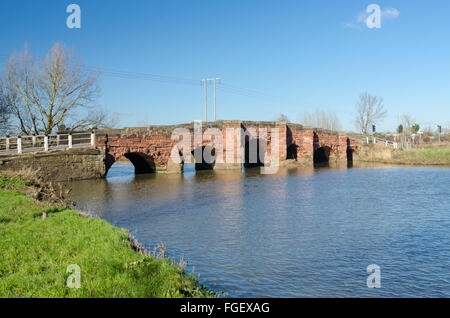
408, 125
321, 119
38, 96
369, 111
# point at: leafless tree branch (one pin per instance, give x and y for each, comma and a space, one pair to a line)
44, 93
369, 110
321, 119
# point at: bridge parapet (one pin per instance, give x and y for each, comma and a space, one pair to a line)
38, 143
58, 164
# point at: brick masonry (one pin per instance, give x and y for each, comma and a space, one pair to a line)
150, 148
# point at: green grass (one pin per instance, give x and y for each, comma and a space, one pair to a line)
437, 155
36, 252
12, 183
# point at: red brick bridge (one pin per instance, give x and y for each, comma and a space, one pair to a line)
227, 143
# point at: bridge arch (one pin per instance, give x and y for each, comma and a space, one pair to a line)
322, 155
291, 152
206, 157
252, 145
142, 162
322, 151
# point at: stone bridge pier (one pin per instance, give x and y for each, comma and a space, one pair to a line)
223, 145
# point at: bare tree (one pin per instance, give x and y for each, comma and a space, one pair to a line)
447, 128
16, 85
44, 93
5, 112
407, 122
95, 119
283, 117
370, 110
321, 119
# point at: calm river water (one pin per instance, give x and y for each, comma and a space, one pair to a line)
299, 233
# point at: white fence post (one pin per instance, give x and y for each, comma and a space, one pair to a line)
386, 143
7, 143
19, 144
70, 140
374, 140
58, 139
34, 140
92, 138
367, 139
45, 143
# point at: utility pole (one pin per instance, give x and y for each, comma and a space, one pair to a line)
205, 80
206, 101
214, 99
439, 132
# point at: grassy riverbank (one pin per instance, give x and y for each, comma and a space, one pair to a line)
415, 156
431, 156
36, 251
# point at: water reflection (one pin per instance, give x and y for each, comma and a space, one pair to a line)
301, 232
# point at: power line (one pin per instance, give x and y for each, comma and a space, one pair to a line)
122, 74
144, 76
205, 80
165, 79
252, 93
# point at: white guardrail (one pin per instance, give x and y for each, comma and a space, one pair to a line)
35, 143
374, 140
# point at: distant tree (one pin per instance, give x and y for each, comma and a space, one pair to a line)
415, 128
429, 130
321, 119
283, 117
47, 93
369, 110
400, 129
62, 128
407, 122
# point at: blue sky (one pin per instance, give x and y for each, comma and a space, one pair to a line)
284, 56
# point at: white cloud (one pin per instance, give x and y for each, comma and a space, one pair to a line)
362, 16
386, 14
390, 13
352, 25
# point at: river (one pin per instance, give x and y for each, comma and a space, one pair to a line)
299, 233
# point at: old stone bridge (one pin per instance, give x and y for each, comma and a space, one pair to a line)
167, 148
151, 149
